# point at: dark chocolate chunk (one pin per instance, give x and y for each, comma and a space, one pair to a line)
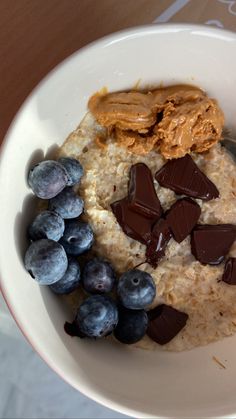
133, 224
182, 217
185, 178
165, 322
142, 195
161, 236
229, 275
72, 329
211, 243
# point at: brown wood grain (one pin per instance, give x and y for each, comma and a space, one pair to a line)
35, 35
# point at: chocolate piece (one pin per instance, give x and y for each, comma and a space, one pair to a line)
133, 224
229, 275
72, 329
211, 243
165, 322
142, 195
182, 217
184, 177
161, 236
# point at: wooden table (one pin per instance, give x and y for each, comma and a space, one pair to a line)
35, 35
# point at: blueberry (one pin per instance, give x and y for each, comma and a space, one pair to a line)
47, 179
67, 203
98, 276
132, 325
47, 225
73, 168
77, 238
70, 281
97, 316
46, 261
136, 289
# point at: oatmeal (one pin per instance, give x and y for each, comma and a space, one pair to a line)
181, 281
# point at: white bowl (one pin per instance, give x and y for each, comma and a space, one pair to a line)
135, 382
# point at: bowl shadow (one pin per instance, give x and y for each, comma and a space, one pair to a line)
47, 296
38, 155
22, 220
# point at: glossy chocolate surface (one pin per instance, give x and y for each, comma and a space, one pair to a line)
160, 237
185, 178
182, 217
229, 275
142, 195
134, 225
165, 322
211, 243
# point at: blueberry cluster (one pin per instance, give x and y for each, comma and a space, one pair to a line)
58, 237
99, 314
57, 234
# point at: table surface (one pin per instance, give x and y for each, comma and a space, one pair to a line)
35, 35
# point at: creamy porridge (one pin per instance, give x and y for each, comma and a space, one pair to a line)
181, 281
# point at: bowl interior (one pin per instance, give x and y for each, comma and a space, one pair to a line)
136, 382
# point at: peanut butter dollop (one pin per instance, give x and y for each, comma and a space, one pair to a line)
174, 120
